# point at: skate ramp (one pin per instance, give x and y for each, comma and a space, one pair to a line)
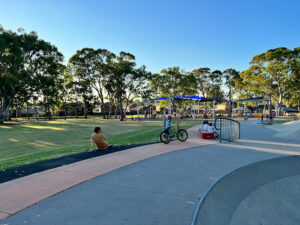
289, 130
263, 193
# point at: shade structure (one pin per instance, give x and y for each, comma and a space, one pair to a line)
188, 98
157, 99
212, 99
290, 109
258, 99
242, 109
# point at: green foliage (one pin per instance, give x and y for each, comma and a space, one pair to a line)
126, 82
202, 82
275, 72
32, 74
173, 82
28, 65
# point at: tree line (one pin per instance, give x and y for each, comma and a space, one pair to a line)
33, 73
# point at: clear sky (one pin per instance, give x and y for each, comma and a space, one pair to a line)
219, 34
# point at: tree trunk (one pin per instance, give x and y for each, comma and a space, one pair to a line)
35, 110
49, 114
27, 111
230, 99
7, 116
76, 111
280, 102
109, 110
4, 110
36, 115
65, 112
126, 106
103, 108
116, 110
121, 109
85, 109
103, 111
10, 114
99, 90
270, 106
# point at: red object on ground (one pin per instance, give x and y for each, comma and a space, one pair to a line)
208, 136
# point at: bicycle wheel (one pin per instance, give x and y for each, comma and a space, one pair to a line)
164, 138
182, 135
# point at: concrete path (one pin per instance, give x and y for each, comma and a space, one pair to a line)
21, 193
160, 190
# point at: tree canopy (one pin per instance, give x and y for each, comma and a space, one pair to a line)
32, 74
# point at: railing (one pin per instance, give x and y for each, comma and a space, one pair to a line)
229, 129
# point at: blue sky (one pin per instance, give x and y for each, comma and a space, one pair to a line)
219, 34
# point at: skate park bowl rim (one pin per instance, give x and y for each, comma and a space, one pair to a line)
219, 203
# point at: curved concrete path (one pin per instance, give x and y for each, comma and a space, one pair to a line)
265, 192
159, 190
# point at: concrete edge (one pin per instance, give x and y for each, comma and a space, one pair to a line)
221, 193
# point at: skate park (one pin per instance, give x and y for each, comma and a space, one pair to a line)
149, 112
254, 176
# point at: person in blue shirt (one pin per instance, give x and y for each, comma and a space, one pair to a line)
168, 125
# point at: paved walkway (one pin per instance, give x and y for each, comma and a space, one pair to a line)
160, 190
21, 193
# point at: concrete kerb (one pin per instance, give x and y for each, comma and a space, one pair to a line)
224, 196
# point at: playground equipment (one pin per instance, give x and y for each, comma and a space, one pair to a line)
192, 109
259, 99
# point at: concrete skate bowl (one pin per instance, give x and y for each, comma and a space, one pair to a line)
262, 193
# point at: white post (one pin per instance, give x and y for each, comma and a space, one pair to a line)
214, 106
264, 106
232, 107
194, 109
170, 106
276, 110
164, 120
138, 113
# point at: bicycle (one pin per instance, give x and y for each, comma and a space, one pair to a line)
181, 134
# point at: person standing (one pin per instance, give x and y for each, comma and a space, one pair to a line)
271, 118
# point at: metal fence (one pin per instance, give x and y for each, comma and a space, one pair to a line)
229, 129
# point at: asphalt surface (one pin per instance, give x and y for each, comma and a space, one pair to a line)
158, 191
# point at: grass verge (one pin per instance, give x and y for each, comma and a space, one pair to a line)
25, 142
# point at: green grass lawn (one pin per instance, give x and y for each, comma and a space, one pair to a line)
25, 142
